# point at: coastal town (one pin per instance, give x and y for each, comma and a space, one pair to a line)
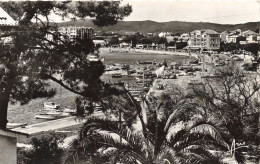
73, 94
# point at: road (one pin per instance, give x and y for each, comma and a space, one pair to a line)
53, 125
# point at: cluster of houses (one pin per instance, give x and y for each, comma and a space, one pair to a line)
204, 39
239, 36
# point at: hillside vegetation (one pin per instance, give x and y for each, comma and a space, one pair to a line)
152, 26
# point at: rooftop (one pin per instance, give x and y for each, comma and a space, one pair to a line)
6, 19
210, 31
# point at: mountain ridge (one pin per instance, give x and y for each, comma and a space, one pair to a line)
171, 26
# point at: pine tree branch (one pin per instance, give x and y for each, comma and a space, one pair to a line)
64, 85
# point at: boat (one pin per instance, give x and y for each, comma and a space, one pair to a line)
65, 114
97, 105
51, 105
137, 98
195, 82
116, 75
45, 116
145, 62
49, 110
93, 58
135, 93
131, 71
211, 76
69, 110
53, 113
125, 66
15, 125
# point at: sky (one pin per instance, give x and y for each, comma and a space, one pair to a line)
215, 11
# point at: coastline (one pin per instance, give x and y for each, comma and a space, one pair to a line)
119, 50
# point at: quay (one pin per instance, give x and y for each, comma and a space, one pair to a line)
53, 125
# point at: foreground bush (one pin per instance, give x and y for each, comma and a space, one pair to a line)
45, 150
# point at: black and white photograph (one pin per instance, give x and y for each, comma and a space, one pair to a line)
130, 82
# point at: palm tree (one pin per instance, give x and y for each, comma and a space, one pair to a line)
183, 134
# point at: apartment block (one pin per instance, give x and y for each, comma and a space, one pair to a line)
204, 39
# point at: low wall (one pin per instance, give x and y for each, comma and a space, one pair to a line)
8, 150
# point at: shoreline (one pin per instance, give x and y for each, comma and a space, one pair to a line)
137, 51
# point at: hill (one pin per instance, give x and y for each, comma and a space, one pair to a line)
173, 26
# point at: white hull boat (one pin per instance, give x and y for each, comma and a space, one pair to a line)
46, 117
68, 110
51, 105
53, 113
15, 125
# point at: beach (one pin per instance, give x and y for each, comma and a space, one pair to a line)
143, 55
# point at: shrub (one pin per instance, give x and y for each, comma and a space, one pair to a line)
45, 150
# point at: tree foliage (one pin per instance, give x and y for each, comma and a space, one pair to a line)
114, 41
45, 149
233, 97
181, 45
253, 48
170, 131
32, 59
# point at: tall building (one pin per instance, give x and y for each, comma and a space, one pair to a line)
204, 39
74, 32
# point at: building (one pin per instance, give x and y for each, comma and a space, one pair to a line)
8, 138
235, 37
74, 32
6, 23
164, 34
232, 38
251, 36
102, 42
248, 33
223, 36
169, 39
204, 39
184, 37
6, 19
251, 39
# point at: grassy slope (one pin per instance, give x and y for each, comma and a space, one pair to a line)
26, 113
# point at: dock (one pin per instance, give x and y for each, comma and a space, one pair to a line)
53, 125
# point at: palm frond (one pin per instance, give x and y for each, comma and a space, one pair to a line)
209, 130
144, 107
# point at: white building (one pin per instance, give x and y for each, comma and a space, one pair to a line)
6, 19
6, 23
251, 39
206, 39
232, 38
164, 34
184, 37
100, 42
74, 32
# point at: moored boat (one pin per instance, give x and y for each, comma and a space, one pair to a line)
51, 105
116, 75
15, 125
93, 58
45, 116
69, 110
53, 113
